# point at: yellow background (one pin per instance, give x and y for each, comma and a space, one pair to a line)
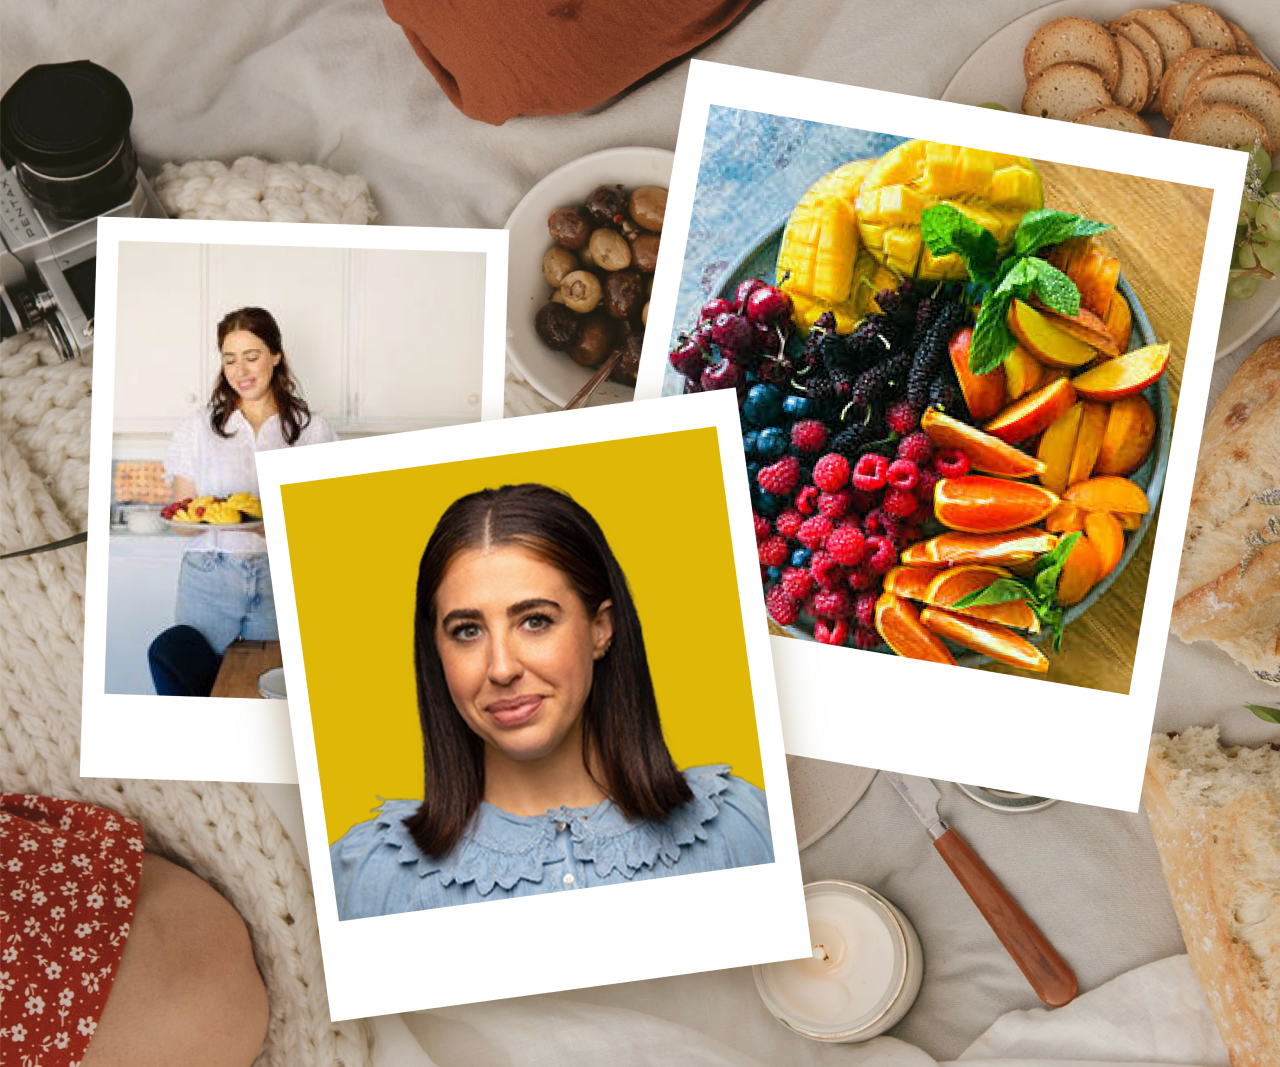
355, 544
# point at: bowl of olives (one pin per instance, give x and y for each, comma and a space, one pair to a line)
584, 246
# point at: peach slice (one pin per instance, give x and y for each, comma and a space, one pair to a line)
1080, 572
977, 503
1057, 446
1130, 433
1124, 375
1022, 373
898, 623
983, 393
1107, 536
910, 580
1001, 549
1107, 493
985, 452
1065, 518
1119, 320
1094, 270
1093, 424
958, 582
991, 639
1027, 417
1046, 340
1085, 326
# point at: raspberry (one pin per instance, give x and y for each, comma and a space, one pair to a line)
809, 435
807, 499
781, 477
916, 447
899, 502
834, 505
924, 489
860, 579
831, 472
880, 554
836, 634
782, 606
762, 526
870, 472
884, 523
814, 532
951, 463
864, 611
836, 604
902, 417
847, 546
865, 638
788, 523
798, 582
862, 500
773, 551
825, 570
902, 474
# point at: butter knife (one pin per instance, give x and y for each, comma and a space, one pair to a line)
1053, 981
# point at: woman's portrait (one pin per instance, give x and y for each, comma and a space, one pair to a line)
545, 765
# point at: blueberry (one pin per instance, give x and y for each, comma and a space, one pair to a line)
800, 557
763, 406
767, 504
775, 574
749, 441
797, 407
753, 468
771, 443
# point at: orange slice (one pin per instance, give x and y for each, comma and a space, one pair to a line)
979, 503
998, 549
959, 582
910, 581
989, 638
985, 452
898, 623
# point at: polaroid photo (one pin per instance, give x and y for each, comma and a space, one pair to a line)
217, 341
971, 379
533, 705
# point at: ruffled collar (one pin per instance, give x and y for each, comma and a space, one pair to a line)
501, 849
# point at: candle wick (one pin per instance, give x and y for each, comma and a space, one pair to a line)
820, 952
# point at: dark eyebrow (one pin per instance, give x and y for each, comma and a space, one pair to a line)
459, 614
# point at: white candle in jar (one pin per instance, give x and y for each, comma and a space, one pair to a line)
864, 970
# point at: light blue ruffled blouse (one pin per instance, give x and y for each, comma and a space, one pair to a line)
379, 870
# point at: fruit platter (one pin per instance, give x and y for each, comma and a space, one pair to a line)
954, 410
239, 509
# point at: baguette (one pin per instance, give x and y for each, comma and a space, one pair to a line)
1215, 817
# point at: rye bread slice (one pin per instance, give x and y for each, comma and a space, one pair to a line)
1256, 95
1219, 125
1135, 83
1172, 36
1173, 86
1073, 40
1064, 90
1137, 34
1114, 117
1208, 28
1244, 43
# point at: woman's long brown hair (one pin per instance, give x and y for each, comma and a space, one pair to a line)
294, 414
622, 734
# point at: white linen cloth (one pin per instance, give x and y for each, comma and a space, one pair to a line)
220, 466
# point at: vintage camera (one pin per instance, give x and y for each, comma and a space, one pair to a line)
64, 139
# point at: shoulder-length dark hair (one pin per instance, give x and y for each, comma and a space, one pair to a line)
621, 729
295, 416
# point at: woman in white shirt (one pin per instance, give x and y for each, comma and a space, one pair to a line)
224, 586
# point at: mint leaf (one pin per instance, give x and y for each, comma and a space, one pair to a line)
1001, 591
1264, 713
1051, 619
1045, 226
992, 339
1049, 569
1059, 552
945, 231
1018, 276
1056, 290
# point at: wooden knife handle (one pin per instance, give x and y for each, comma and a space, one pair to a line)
1053, 981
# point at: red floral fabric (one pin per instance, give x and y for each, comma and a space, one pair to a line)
69, 878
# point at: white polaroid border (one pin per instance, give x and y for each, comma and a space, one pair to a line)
962, 725
521, 946
208, 739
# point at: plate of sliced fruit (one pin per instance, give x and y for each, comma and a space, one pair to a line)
955, 419
242, 511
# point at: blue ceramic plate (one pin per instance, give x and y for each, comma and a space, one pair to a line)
762, 258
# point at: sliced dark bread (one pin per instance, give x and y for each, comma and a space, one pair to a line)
1073, 40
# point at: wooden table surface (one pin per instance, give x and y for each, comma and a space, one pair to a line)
1159, 238
243, 662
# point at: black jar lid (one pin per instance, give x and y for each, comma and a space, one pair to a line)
64, 119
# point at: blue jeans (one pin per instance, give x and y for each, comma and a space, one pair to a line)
226, 595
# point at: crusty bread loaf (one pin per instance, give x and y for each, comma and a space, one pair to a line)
1215, 817
1174, 84
1113, 117
1063, 91
1239, 462
1218, 125
1135, 83
1208, 29
1072, 40
1172, 36
1256, 95
1139, 36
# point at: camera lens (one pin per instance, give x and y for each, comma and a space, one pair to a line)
65, 128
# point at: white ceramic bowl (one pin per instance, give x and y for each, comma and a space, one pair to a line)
554, 374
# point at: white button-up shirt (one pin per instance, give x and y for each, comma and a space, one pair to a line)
220, 466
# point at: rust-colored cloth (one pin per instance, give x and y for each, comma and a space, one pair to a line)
499, 58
